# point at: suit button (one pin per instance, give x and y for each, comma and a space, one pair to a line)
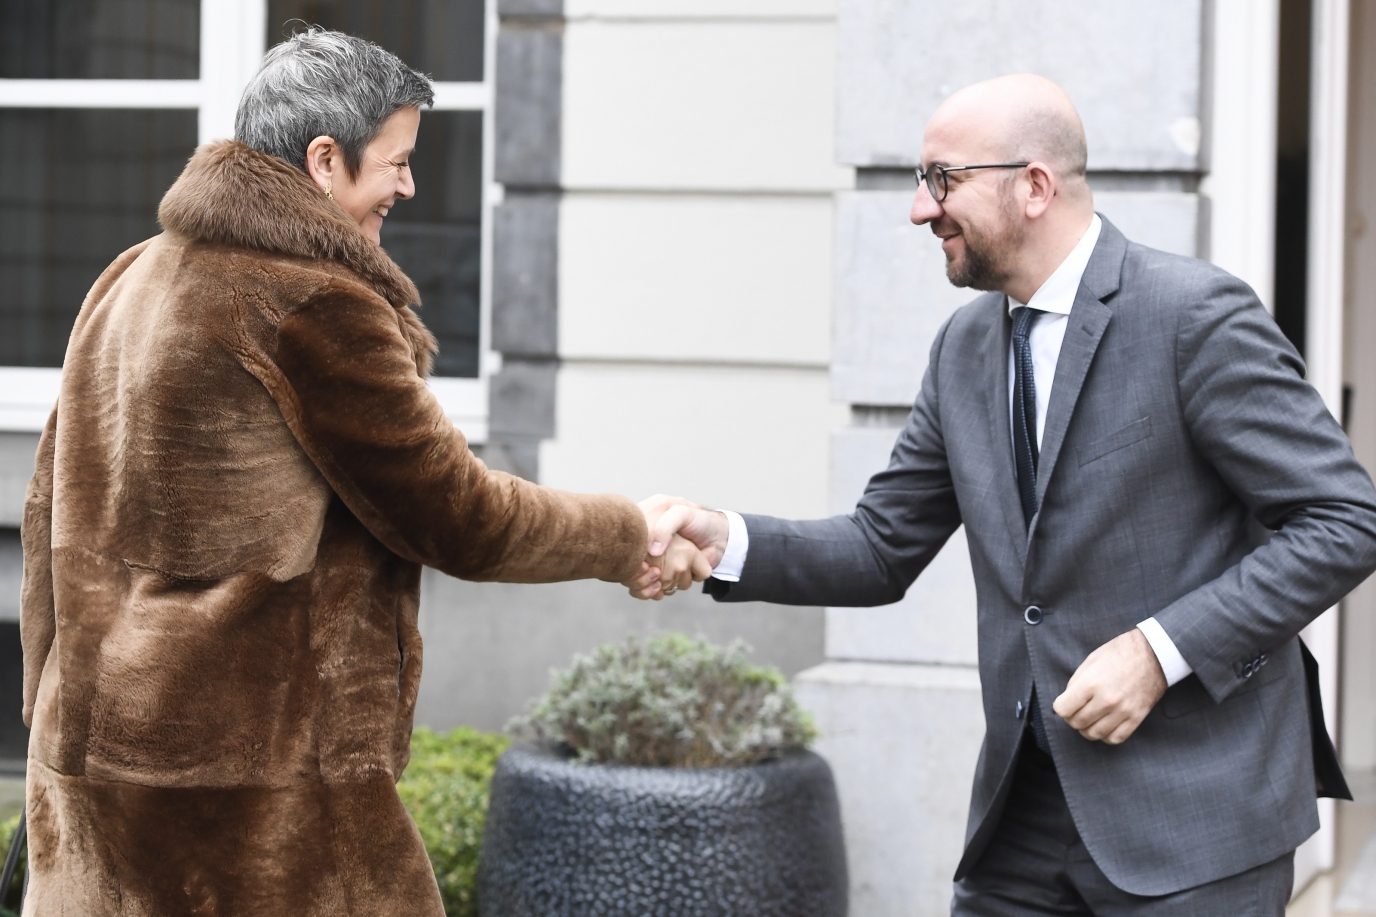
1017, 711
1263, 659
1248, 669
1032, 614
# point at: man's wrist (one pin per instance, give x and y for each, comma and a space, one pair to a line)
1173, 665
734, 550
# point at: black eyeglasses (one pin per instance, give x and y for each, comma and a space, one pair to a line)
935, 176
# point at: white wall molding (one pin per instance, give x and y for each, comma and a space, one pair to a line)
1327, 201
27, 396
1241, 148
462, 96
100, 93
233, 41
1324, 325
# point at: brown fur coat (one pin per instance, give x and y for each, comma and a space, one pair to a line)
222, 554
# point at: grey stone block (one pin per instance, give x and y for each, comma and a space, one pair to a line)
530, 8
521, 400
902, 741
513, 454
529, 103
1132, 69
1168, 220
525, 275
892, 294
520, 414
891, 298
935, 621
489, 647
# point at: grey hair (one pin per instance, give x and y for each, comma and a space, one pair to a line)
323, 83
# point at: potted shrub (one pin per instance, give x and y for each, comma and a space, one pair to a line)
666, 777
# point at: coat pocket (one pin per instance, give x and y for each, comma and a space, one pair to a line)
1134, 432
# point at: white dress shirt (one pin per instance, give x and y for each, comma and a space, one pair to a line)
1054, 299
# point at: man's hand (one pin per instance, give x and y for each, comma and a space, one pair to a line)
1113, 690
669, 565
708, 529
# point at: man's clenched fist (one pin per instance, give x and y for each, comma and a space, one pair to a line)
1113, 690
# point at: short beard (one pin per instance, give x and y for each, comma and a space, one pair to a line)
986, 262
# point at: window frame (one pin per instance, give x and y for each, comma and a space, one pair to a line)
232, 44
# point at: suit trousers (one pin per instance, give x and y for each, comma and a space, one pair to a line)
1036, 863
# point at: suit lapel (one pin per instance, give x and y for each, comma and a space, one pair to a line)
1088, 320
1005, 483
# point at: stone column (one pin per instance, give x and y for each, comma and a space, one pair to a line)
525, 246
898, 700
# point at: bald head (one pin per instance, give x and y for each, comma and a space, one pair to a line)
1012, 200
1017, 118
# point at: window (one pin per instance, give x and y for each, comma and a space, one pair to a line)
101, 103
99, 39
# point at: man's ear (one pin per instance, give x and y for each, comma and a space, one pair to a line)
1041, 188
323, 161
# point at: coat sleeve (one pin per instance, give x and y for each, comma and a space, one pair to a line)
350, 390
1270, 437
37, 617
871, 556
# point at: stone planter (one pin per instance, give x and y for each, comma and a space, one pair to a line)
580, 840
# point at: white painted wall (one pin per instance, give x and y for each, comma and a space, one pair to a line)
715, 277
747, 438
695, 252
1241, 146
1358, 744
741, 105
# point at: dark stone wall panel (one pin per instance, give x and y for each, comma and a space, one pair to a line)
523, 400
530, 62
525, 281
530, 8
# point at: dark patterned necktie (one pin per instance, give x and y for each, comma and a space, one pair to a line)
1025, 452
1025, 455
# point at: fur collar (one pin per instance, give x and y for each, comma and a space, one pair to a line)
231, 194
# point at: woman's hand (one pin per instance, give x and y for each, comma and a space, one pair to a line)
678, 566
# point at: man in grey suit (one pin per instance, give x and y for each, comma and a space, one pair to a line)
1155, 502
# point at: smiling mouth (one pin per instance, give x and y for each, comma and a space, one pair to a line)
381, 210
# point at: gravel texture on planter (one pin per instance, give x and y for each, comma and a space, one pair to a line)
595, 840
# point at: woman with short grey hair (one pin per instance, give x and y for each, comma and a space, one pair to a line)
224, 536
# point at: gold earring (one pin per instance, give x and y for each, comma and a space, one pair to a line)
329, 190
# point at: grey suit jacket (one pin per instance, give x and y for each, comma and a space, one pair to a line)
1179, 420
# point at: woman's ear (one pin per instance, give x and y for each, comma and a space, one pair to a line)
323, 162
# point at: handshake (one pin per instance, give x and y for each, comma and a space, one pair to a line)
686, 543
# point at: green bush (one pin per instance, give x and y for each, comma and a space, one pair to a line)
672, 701
445, 789
6, 836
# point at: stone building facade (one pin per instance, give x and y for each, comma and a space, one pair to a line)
697, 277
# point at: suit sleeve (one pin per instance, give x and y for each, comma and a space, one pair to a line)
871, 556
1268, 434
37, 617
350, 391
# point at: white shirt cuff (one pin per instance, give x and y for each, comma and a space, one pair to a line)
737, 545
1172, 663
